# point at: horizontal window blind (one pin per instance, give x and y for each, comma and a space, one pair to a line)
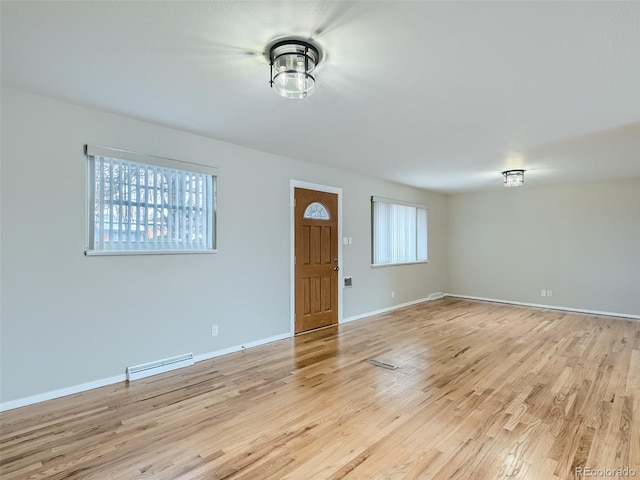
152, 207
399, 232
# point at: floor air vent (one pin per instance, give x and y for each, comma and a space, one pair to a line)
159, 366
378, 363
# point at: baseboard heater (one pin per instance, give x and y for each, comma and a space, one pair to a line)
160, 366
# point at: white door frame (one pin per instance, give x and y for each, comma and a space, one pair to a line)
293, 184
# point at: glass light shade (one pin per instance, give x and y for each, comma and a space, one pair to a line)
513, 178
293, 63
293, 85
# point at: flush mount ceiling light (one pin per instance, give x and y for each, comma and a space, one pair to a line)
293, 62
513, 178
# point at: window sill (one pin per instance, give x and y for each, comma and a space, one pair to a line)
379, 265
99, 253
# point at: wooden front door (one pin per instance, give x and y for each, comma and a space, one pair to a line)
316, 259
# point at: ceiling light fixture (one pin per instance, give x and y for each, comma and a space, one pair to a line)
513, 178
292, 63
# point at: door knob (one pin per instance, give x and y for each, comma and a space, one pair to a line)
336, 268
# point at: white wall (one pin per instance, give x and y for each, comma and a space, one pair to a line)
68, 319
580, 241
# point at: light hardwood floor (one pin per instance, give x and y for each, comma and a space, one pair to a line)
482, 391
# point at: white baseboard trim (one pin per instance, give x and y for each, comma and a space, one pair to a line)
63, 392
388, 309
540, 305
244, 346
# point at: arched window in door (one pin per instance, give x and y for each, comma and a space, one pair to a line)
316, 211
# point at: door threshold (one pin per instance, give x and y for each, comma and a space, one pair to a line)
316, 329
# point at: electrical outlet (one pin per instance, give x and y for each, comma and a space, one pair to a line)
393, 294
214, 331
549, 293
543, 293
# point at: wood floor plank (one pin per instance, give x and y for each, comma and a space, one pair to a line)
482, 390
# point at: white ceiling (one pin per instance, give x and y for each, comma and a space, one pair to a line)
440, 95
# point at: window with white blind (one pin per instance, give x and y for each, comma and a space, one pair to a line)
399, 232
144, 204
